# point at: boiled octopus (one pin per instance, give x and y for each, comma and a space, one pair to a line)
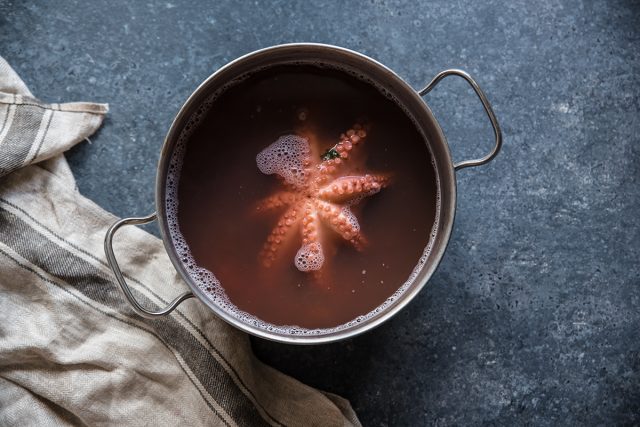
318, 189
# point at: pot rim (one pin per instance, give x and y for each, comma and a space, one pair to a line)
445, 173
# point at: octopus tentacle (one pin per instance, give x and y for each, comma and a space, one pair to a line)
342, 221
275, 201
349, 188
285, 229
310, 225
348, 141
345, 148
310, 257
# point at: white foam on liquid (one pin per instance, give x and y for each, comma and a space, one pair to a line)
309, 257
285, 157
206, 280
351, 218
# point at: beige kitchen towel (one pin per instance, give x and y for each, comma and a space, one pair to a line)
71, 350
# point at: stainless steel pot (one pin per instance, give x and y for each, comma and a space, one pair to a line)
344, 59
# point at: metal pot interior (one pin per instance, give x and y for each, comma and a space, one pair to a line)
366, 68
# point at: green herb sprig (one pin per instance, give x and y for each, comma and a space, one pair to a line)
331, 153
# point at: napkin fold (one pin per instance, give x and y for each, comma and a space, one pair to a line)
72, 352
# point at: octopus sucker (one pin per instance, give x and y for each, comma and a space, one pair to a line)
318, 189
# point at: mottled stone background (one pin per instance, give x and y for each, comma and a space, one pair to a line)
534, 313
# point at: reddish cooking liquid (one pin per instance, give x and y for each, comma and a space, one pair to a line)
220, 185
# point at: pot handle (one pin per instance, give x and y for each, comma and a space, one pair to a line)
113, 263
487, 108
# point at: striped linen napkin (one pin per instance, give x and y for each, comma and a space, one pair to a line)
71, 350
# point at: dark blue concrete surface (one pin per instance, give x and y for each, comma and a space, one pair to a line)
534, 314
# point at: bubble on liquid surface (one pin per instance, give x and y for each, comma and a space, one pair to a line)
351, 218
310, 257
286, 158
